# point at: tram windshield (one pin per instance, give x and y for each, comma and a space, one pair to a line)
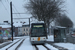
38, 32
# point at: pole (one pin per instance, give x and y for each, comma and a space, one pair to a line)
29, 22
11, 19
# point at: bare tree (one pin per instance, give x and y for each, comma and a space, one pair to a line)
64, 21
45, 10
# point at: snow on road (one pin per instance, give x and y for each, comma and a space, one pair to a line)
26, 45
69, 46
51, 47
40, 47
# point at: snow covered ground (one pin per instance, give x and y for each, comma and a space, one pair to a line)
5, 43
13, 42
21, 37
50, 38
69, 46
9, 45
13, 47
51, 47
41, 47
26, 45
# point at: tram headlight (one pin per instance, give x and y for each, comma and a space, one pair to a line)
43, 38
33, 38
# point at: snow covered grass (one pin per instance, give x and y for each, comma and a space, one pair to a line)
69, 46
50, 38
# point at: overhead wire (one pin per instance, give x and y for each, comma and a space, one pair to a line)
4, 6
16, 9
18, 12
9, 4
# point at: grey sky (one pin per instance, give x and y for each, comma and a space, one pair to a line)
5, 12
18, 4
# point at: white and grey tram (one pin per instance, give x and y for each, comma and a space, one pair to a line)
38, 33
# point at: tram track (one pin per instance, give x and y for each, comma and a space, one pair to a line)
19, 45
58, 47
37, 48
46, 47
13, 44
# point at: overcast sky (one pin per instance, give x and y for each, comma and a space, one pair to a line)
18, 4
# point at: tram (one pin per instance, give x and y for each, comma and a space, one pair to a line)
38, 33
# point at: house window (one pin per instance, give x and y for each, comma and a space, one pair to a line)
19, 30
24, 33
24, 29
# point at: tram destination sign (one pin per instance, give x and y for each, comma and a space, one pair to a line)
38, 26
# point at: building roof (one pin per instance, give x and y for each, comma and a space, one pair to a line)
25, 25
5, 26
58, 27
17, 24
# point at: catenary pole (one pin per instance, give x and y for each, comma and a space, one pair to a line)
11, 19
29, 22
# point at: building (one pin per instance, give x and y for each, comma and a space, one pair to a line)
17, 28
21, 28
16, 31
0, 28
6, 27
25, 29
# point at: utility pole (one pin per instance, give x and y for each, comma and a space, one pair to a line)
11, 19
29, 22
